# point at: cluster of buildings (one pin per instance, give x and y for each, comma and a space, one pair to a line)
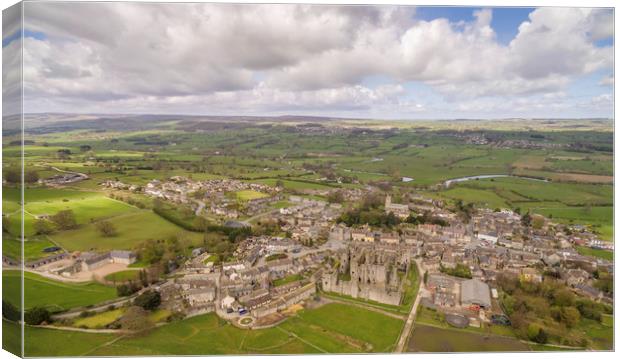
308, 220
79, 264
246, 285
63, 179
118, 185
253, 249
271, 273
216, 197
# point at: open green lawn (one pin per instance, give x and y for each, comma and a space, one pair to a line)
11, 337
434, 318
87, 206
206, 335
99, 320
40, 291
332, 328
33, 247
599, 218
600, 335
132, 229
159, 315
567, 193
326, 339
433, 339
211, 258
123, 276
480, 197
288, 279
598, 253
51, 342
292, 184
357, 323
388, 307
607, 320
247, 195
281, 204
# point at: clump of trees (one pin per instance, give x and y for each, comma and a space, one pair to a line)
460, 270
546, 311
268, 227
37, 315
64, 219
14, 176
43, 226
335, 197
136, 319
426, 217
145, 277
371, 212
464, 211
148, 300
128, 199
127, 289
10, 312
604, 281
106, 228
165, 253
6, 224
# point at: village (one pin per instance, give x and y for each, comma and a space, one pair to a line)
459, 260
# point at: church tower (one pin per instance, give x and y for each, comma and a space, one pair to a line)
388, 201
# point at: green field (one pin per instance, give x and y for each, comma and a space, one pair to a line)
205, 335
600, 335
480, 197
598, 253
99, 320
288, 279
332, 328
159, 315
51, 342
131, 230
434, 318
247, 195
11, 337
87, 206
291, 184
123, 276
40, 291
33, 247
433, 339
357, 323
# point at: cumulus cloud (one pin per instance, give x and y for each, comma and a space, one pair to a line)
607, 81
11, 61
226, 57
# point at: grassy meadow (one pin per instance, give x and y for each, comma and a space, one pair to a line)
131, 231
55, 295
318, 330
432, 339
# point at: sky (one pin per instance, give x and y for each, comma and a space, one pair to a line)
382, 62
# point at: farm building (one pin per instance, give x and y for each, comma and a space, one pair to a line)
475, 292
122, 257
